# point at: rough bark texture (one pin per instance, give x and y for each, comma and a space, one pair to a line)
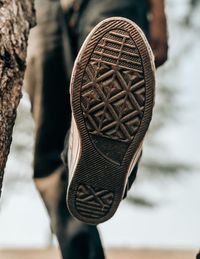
16, 19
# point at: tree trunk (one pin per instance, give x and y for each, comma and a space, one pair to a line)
16, 19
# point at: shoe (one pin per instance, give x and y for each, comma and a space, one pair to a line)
112, 98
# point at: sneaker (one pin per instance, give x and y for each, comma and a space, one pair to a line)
112, 97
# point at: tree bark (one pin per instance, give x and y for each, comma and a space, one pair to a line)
16, 19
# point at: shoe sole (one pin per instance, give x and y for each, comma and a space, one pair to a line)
112, 97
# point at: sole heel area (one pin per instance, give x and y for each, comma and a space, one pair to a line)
96, 188
93, 203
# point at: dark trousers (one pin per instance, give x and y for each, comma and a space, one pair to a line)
53, 46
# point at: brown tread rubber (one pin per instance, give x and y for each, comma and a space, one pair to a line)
112, 94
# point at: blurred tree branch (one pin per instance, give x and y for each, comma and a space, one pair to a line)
16, 19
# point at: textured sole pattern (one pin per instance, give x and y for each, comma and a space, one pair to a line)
93, 203
112, 92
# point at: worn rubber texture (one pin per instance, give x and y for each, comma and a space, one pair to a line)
112, 95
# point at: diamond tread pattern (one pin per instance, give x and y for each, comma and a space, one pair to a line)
113, 92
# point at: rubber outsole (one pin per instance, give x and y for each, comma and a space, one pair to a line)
112, 96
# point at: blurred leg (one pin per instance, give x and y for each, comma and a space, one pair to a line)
95, 11
47, 85
47, 82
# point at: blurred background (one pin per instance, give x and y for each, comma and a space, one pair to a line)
163, 206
